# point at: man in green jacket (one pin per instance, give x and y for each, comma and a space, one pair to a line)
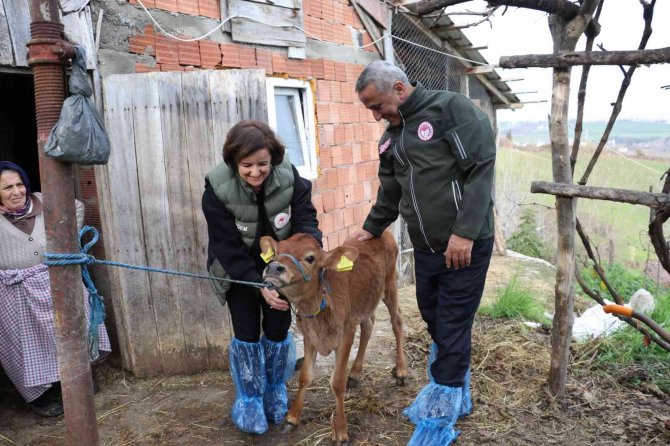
436, 164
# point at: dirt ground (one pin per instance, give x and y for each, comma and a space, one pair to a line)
510, 369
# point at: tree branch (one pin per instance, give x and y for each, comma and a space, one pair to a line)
563, 8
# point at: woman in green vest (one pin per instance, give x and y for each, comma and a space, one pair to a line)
255, 192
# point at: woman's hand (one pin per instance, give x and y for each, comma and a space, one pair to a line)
273, 299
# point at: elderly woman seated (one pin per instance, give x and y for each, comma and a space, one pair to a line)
28, 347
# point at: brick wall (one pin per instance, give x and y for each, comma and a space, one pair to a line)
347, 182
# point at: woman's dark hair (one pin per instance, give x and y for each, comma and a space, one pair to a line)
248, 136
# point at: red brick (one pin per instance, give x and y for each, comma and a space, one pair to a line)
353, 71
209, 8
188, 7
327, 31
317, 68
347, 91
230, 55
358, 192
326, 135
142, 68
147, 3
171, 67
335, 92
323, 91
328, 69
279, 63
359, 133
340, 135
264, 60
333, 240
338, 12
347, 154
356, 153
331, 179
328, 198
327, 9
368, 190
247, 56
339, 198
326, 223
317, 201
312, 7
167, 50
349, 16
144, 44
349, 217
210, 54
167, 5
314, 27
349, 133
323, 113
338, 220
337, 155
342, 236
360, 173
189, 53
325, 159
340, 71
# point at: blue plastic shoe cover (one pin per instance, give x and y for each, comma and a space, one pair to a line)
438, 402
247, 366
434, 412
279, 367
466, 405
428, 433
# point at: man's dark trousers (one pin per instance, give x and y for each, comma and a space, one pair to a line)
448, 299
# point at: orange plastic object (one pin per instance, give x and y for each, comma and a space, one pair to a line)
618, 309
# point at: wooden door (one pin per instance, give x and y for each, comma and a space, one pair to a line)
167, 131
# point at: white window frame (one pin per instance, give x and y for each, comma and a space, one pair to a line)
306, 127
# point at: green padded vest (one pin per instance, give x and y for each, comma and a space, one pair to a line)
240, 200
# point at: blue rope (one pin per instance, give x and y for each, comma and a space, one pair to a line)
59, 259
95, 302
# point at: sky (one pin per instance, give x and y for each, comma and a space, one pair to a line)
522, 31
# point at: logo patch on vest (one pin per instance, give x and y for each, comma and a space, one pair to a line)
282, 220
425, 131
384, 146
241, 227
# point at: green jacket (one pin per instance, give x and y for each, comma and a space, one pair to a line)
240, 200
436, 170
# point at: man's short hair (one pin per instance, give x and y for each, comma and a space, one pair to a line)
382, 75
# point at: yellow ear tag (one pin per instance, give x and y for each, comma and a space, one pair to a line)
345, 264
268, 255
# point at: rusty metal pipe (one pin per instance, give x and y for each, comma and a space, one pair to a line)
47, 54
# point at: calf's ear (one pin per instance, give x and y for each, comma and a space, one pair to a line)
268, 248
331, 259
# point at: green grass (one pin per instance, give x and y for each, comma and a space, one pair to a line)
624, 224
515, 302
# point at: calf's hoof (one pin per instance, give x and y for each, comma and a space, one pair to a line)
353, 383
400, 381
288, 427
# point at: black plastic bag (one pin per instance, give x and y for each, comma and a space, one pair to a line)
79, 136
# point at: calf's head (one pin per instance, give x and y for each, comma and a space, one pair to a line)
299, 260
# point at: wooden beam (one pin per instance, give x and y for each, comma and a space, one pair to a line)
370, 26
563, 8
471, 48
511, 106
571, 58
479, 69
652, 200
446, 28
523, 92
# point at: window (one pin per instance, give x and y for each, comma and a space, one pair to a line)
291, 115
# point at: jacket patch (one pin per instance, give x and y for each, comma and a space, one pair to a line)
241, 227
282, 220
384, 146
425, 131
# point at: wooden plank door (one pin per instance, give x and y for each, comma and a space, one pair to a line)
167, 131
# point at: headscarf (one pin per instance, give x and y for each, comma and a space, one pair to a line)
19, 213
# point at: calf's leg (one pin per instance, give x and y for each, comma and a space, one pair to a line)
391, 301
306, 375
338, 384
357, 368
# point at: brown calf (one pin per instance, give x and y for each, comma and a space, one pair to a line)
331, 304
